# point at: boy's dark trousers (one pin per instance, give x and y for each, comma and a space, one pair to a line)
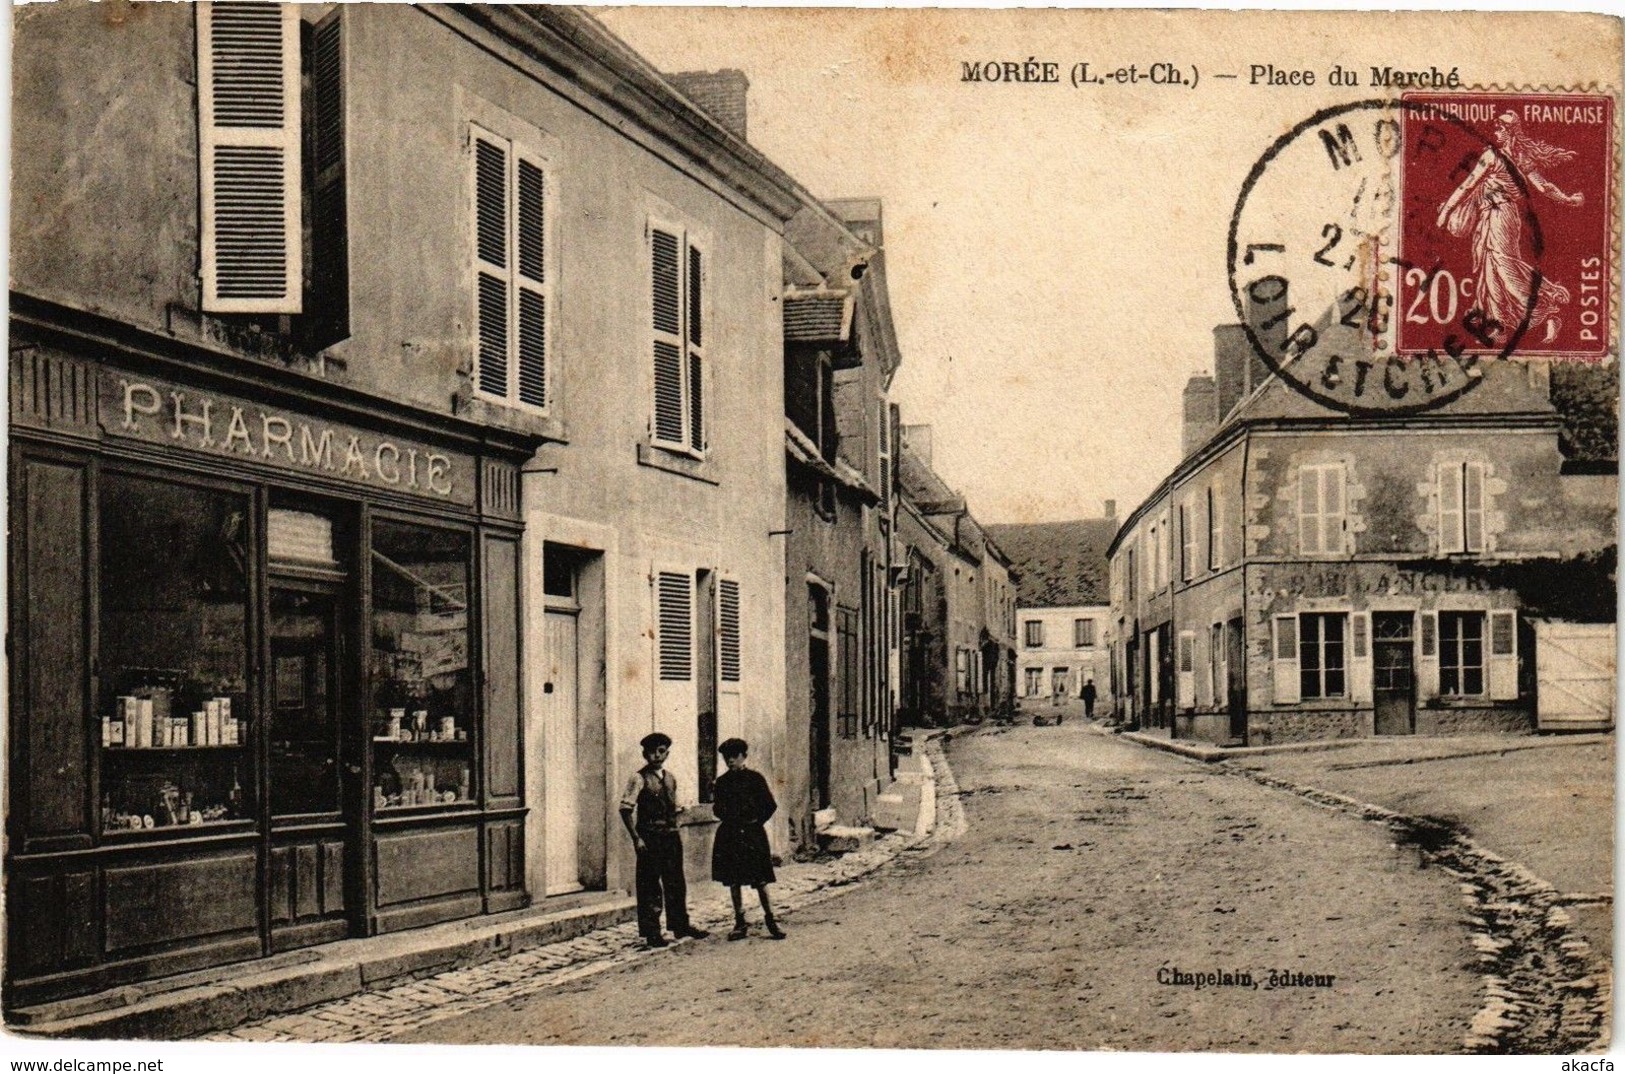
660, 872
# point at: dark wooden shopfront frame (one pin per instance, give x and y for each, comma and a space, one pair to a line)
60, 866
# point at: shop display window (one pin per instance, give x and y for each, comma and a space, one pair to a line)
173, 700
422, 683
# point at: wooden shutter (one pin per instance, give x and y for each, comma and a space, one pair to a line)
1502, 661
674, 594
1187, 535
1427, 664
251, 231
330, 243
728, 628
1185, 686
696, 350
1450, 529
491, 256
530, 281
1309, 510
1359, 669
1333, 509
1285, 664
666, 288
1472, 507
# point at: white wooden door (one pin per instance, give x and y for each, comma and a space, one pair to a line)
561, 768
1574, 670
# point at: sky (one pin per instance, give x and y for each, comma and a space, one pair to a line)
1056, 255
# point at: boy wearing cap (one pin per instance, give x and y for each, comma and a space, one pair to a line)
651, 798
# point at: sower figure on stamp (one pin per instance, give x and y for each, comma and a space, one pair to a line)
649, 811
740, 856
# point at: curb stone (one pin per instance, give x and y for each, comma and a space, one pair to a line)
1543, 991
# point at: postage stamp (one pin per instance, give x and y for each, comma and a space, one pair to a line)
1507, 209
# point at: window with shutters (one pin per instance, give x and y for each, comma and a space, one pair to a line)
1321, 664
1321, 509
1035, 681
512, 273
1083, 633
1461, 507
677, 320
249, 158
1461, 654
1035, 633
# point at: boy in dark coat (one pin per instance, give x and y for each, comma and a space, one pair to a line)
651, 795
743, 803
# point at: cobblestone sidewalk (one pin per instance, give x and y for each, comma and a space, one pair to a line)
381, 1015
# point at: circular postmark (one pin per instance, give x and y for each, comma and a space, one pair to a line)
1317, 256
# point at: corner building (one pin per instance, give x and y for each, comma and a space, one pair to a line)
387, 457
1303, 574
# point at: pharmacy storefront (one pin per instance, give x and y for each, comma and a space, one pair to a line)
265, 669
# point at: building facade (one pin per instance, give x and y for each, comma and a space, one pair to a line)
958, 641
1063, 618
1304, 574
379, 473
840, 352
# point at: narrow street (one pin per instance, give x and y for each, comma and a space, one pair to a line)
1089, 869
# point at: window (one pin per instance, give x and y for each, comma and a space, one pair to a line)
251, 230
177, 743
1153, 551
1058, 682
962, 680
512, 283
1320, 655
1217, 676
1321, 511
1461, 507
1461, 653
423, 684
1035, 633
1215, 528
1187, 548
1035, 681
1128, 573
677, 281
1083, 633
848, 672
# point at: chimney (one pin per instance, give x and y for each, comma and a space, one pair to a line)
1231, 354
1201, 413
720, 95
917, 438
1111, 510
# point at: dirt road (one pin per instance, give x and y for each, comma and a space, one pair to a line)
1097, 884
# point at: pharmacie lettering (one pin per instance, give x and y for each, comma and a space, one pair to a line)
200, 422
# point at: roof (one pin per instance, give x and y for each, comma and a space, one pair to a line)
817, 316
1058, 564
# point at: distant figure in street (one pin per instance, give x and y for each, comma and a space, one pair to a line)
651, 798
1088, 693
743, 803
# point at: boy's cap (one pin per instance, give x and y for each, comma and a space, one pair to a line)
655, 741
734, 747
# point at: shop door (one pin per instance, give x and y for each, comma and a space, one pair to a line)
560, 752
1393, 669
1235, 663
818, 726
314, 849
